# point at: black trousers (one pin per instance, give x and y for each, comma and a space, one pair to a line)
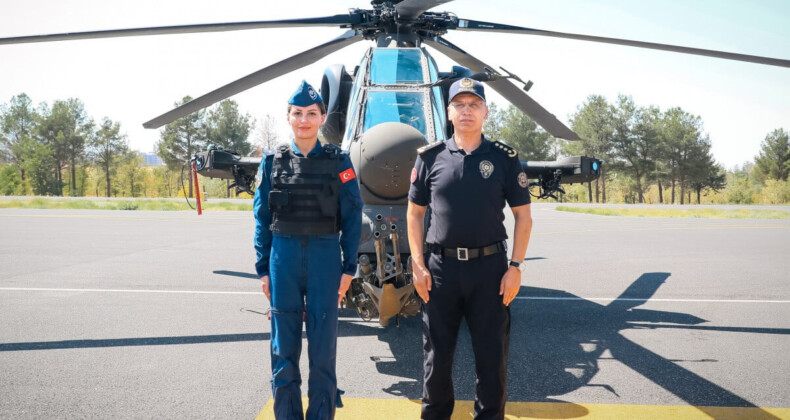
468, 290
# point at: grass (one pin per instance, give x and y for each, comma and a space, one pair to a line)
700, 213
121, 204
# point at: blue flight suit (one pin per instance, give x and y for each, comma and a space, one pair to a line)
304, 273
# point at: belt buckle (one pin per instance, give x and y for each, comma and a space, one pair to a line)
462, 254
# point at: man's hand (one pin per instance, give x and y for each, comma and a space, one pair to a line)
510, 284
265, 287
345, 281
422, 280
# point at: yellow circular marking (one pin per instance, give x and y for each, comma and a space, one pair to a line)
397, 409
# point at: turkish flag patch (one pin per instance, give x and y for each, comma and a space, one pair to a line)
347, 175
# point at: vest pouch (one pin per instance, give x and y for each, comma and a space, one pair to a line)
327, 200
279, 200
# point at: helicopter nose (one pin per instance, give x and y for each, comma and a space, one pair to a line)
387, 154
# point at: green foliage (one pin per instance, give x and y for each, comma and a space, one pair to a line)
642, 148
740, 191
594, 123
65, 128
10, 181
181, 139
17, 123
166, 183
106, 150
127, 205
576, 193
124, 204
775, 192
214, 188
522, 133
226, 127
674, 213
39, 166
492, 126
773, 162
130, 175
635, 142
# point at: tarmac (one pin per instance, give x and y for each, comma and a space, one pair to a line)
133, 314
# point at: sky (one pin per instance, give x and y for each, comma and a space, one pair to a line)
132, 80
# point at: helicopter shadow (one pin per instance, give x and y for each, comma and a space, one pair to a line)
236, 274
556, 342
404, 338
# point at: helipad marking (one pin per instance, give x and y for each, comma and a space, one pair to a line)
400, 409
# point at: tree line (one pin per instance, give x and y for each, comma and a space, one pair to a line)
649, 155
647, 151
61, 150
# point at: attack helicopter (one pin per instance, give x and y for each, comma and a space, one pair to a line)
381, 111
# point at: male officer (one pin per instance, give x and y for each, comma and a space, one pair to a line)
307, 194
466, 181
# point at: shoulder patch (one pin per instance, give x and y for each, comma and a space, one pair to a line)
431, 146
502, 147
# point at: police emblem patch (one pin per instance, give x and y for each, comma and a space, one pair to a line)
486, 169
413, 175
522, 180
466, 85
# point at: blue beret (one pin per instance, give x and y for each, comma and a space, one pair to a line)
467, 85
305, 95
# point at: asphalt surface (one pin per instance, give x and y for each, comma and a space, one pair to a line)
130, 314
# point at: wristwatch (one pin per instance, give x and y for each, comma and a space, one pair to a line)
520, 265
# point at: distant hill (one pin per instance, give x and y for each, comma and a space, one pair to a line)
151, 159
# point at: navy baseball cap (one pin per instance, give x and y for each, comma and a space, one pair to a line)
467, 85
305, 95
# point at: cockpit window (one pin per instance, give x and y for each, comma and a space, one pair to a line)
389, 106
396, 66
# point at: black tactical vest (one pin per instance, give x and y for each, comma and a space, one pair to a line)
304, 198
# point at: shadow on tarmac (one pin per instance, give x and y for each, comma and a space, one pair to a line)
556, 341
236, 274
137, 341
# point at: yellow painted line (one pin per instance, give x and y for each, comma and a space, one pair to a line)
400, 409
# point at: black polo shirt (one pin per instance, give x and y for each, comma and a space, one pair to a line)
466, 193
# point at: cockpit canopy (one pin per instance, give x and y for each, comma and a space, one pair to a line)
392, 66
394, 85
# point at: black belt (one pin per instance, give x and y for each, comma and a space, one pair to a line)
463, 254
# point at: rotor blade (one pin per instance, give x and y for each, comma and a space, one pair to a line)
336, 20
508, 90
275, 70
473, 25
410, 9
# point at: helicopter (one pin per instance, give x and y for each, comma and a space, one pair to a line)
381, 111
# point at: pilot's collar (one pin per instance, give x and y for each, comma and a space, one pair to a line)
316, 149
